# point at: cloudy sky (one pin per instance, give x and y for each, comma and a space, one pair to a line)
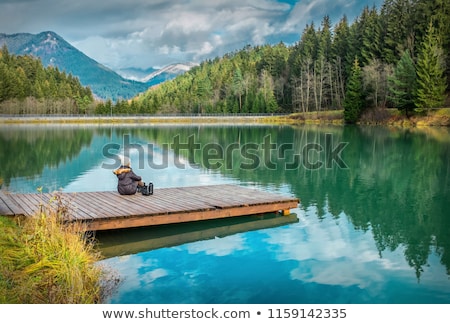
154, 33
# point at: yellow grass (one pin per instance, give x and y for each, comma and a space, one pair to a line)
46, 261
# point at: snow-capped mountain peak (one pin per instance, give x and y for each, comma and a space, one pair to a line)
152, 75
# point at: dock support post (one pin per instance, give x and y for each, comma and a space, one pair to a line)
286, 212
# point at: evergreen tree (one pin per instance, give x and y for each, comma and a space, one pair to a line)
437, 11
371, 35
431, 80
398, 26
323, 87
314, 73
324, 39
25, 77
354, 96
339, 49
402, 84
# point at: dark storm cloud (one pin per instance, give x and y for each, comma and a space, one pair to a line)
146, 33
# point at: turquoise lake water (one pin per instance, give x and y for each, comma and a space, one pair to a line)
373, 224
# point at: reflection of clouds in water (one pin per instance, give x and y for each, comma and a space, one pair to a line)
156, 166
350, 255
219, 246
314, 260
136, 272
166, 169
145, 272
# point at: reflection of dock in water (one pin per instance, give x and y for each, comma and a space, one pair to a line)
108, 210
135, 240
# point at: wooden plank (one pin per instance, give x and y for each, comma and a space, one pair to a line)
196, 197
36, 200
114, 205
235, 196
148, 205
253, 195
105, 204
135, 205
4, 209
91, 205
12, 205
177, 202
23, 200
238, 196
145, 206
79, 207
51, 201
212, 197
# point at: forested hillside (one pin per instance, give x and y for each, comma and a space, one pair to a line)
53, 50
393, 56
27, 87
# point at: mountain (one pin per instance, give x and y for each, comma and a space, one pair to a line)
136, 74
153, 76
53, 50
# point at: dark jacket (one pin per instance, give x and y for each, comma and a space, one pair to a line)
128, 180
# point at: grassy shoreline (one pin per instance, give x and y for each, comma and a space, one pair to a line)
389, 117
133, 119
43, 261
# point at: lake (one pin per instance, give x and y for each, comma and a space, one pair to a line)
373, 224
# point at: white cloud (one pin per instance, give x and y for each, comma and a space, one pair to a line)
218, 246
145, 33
351, 262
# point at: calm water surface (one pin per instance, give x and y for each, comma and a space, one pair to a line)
373, 225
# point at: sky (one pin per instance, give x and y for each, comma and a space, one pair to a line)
154, 33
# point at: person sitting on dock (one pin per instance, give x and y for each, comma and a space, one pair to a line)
129, 182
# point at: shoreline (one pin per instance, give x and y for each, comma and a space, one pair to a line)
133, 119
382, 117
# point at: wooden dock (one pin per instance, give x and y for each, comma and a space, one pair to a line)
108, 210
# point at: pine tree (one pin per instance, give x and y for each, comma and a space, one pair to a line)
339, 49
402, 84
397, 23
431, 80
371, 37
354, 95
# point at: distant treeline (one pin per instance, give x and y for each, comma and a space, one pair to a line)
26, 86
392, 57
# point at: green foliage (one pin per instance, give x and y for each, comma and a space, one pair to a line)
312, 75
24, 76
402, 84
249, 80
55, 51
397, 18
431, 80
354, 96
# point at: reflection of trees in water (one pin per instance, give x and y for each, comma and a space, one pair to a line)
26, 151
396, 185
400, 188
